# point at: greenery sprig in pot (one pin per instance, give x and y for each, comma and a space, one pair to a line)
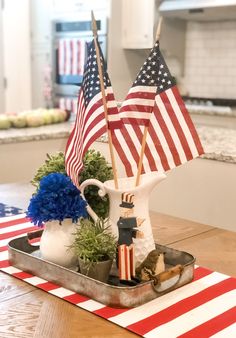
95, 247
59, 205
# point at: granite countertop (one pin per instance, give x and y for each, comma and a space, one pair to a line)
53, 131
211, 110
219, 142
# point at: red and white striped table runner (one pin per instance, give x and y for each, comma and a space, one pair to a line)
204, 308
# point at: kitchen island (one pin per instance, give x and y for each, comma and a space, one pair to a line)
219, 140
212, 177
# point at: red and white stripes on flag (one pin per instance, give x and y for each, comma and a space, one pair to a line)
138, 105
89, 125
90, 120
205, 307
171, 141
71, 56
154, 102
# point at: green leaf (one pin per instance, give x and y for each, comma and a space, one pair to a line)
94, 241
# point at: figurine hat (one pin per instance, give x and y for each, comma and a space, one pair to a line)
127, 200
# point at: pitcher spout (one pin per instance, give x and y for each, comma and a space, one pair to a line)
150, 180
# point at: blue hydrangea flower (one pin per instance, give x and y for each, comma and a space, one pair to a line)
56, 199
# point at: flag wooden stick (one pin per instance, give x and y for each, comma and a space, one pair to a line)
144, 139
158, 33
140, 163
94, 28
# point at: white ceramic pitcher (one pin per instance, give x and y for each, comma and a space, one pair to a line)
56, 241
141, 206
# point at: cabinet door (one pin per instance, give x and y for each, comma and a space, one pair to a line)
70, 7
137, 23
17, 57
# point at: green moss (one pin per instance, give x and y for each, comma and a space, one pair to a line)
53, 164
95, 166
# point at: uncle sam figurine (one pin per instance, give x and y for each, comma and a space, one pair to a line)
127, 228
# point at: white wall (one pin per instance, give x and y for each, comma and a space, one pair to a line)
17, 60
210, 68
201, 190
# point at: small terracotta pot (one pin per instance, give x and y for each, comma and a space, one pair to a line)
96, 270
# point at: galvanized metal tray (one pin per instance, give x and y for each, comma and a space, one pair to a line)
26, 257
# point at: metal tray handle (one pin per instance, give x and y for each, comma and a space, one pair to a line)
34, 234
167, 280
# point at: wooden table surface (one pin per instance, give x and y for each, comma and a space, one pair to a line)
26, 311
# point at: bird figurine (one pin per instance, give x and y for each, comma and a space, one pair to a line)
152, 265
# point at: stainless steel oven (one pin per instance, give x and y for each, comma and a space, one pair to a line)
70, 39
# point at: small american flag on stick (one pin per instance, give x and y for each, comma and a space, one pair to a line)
90, 120
154, 102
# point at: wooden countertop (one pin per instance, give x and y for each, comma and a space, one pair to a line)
30, 312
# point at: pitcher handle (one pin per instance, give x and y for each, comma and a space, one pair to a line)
101, 192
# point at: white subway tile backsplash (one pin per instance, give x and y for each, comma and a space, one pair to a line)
210, 62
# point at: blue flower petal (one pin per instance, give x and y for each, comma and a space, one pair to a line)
56, 199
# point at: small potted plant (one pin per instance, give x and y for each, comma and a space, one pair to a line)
59, 206
95, 247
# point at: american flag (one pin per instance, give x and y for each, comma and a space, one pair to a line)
154, 102
90, 120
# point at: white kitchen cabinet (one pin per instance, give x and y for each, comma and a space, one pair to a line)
16, 55
138, 19
70, 7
